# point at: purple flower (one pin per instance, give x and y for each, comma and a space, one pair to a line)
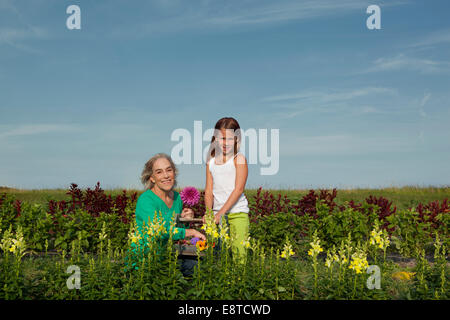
194, 240
190, 196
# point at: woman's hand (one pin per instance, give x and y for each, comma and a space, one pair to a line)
187, 213
195, 233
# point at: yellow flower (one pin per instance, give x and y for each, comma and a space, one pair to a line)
224, 234
246, 243
134, 238
13, 248
316, 249
379, 238
359, 262
403, 275
287, 250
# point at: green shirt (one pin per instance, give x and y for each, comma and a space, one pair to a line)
149, 203
147, 206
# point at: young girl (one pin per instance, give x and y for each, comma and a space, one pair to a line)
226, 175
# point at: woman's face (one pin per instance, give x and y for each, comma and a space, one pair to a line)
225, 139
163, 175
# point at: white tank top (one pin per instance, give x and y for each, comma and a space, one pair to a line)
224, 178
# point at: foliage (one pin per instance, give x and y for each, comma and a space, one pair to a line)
272, 229
93, 231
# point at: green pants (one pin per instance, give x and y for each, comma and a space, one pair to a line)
238, 224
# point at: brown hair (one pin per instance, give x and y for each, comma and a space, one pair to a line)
148, 170
225, 123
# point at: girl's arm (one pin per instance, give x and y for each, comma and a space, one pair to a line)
209, 199
241, 179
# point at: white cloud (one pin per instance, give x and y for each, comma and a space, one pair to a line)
207, 15
33, 129
437, 37
22, 31
402, 62
423, 102
341, 144
369, 109
10, 35
279, 11
327, 96
326, 100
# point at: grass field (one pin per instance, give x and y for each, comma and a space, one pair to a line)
401, 197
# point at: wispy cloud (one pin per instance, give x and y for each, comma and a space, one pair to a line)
325, 100
433, 39
280, 11
341, 144
207, 15
373, 110
327, 96
403, 62
12, 35
34, 129
19, 30
423, 102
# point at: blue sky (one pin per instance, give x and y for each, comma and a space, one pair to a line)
354, 107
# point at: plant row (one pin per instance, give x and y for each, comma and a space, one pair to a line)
273, 218
144, 269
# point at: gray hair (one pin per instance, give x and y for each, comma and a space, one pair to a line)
148, 170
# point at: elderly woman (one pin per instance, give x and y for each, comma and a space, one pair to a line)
159, 179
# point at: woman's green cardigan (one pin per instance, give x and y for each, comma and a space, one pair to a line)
149, 205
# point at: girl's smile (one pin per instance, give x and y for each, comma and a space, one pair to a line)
226, 141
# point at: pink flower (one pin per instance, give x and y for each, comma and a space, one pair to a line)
190, 196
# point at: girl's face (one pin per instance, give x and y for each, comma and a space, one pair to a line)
163, 175
225, 140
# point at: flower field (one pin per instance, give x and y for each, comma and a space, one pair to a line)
314, 247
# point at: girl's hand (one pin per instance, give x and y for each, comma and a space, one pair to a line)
187, 213
217, 217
